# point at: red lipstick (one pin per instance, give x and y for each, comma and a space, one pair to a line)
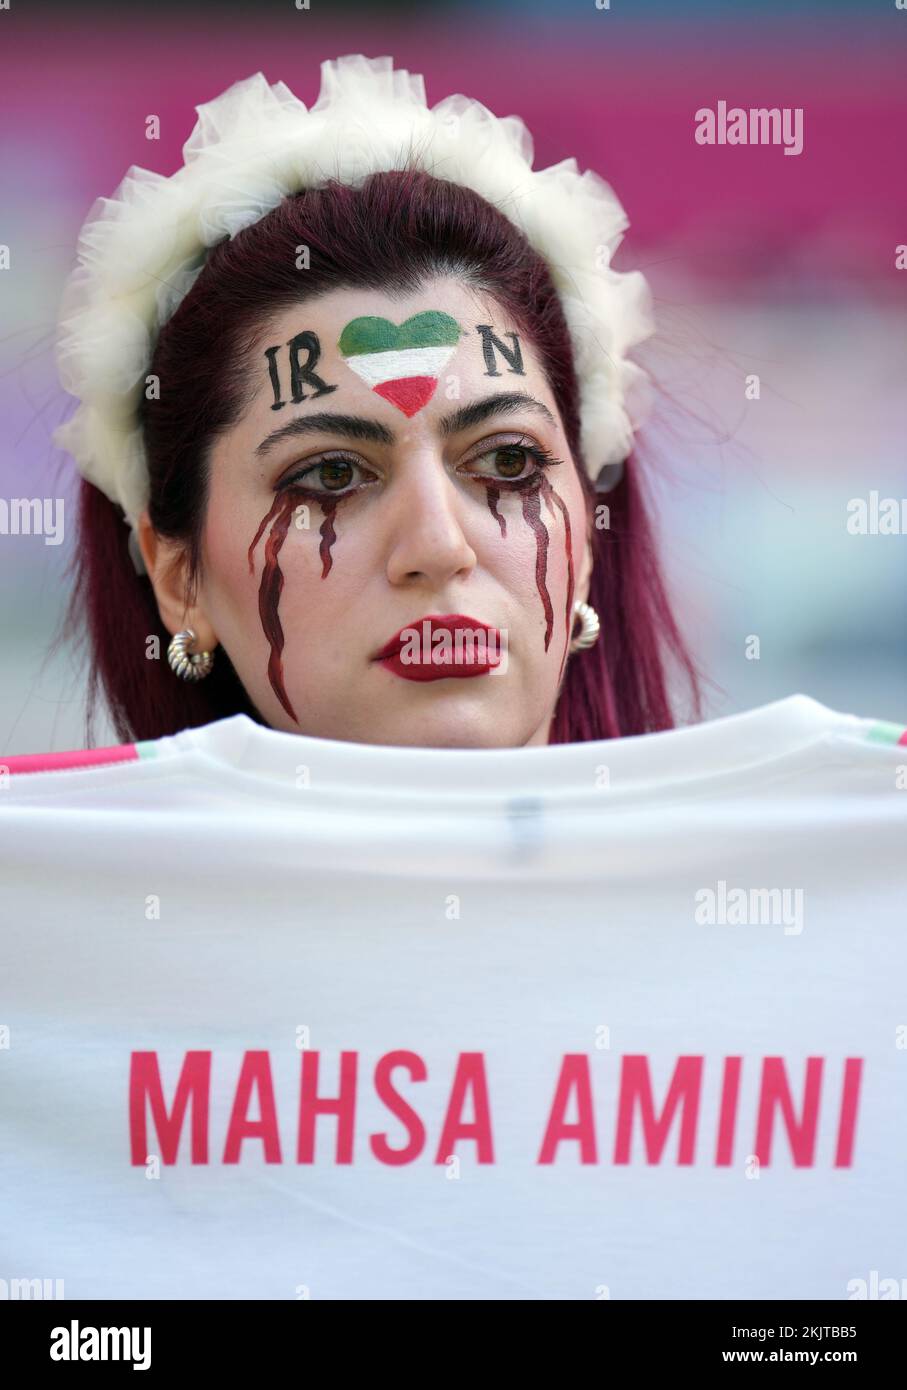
443, 646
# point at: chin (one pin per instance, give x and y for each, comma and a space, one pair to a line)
445, 729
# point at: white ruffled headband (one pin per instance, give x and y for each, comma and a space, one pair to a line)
140, 251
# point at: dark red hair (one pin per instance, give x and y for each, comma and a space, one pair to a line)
393, 233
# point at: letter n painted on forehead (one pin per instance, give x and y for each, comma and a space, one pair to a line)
491, 343
400, 362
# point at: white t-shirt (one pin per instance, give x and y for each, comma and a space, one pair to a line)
282, 1017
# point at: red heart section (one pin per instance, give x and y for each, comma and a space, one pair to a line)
408, 393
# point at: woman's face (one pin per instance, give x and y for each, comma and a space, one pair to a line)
396, 466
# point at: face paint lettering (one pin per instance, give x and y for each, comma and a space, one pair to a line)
272, 579
271, 355
401, 363
491, 343
300, 373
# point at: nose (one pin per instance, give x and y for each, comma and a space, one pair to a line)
428, 511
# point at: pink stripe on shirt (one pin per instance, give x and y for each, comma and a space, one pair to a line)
85, 757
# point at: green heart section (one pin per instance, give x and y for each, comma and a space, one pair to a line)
370, 334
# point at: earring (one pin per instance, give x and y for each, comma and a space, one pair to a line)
591, 627
191, 666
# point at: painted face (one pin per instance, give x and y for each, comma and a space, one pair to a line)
402, 461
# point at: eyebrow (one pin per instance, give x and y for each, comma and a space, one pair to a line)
506, 403
357, 427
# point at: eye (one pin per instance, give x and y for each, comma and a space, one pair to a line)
509, 462
336, 475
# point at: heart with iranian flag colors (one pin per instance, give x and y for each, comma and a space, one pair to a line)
403, 363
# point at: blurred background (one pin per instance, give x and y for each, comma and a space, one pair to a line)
762, 264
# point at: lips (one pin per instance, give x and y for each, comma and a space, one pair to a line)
418, 653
